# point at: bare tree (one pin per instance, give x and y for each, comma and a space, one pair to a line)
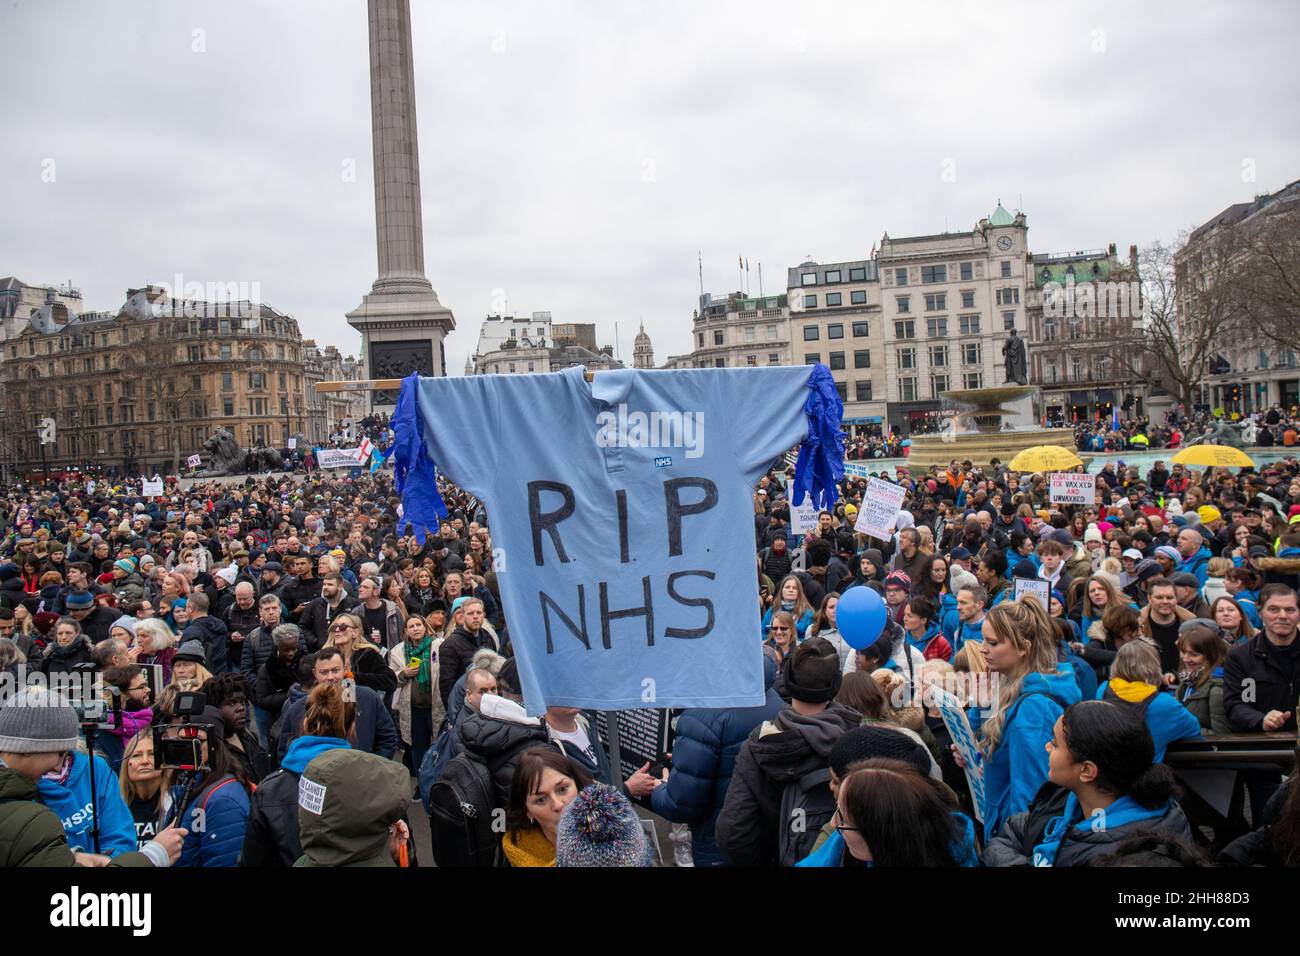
1268, 279
157, 360
1190, 309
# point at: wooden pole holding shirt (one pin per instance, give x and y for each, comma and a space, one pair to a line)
379, 385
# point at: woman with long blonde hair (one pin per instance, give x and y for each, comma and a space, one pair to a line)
362, 660
1030, 689
145, 789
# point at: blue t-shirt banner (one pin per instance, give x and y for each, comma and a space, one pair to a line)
625, 508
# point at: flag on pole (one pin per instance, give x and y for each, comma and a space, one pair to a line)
363, 452
1114, 417
377, 461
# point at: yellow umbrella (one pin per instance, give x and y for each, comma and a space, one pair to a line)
1214, 456
1045, 458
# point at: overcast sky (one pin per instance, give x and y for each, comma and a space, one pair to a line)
575, 156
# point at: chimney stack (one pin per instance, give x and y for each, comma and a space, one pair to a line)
1133, 256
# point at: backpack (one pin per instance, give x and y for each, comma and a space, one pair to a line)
460, 806
808, 801
435, 762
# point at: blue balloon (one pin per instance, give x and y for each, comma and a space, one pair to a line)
860, 617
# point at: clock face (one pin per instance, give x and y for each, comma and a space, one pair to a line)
1004, 243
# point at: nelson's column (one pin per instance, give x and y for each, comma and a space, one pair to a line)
401, 321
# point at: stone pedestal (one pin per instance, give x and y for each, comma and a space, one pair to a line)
401, 321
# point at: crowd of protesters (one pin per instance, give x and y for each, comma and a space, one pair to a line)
334, 654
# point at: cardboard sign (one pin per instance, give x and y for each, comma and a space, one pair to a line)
193, 461
293, 442
954, 718
1036, 587
151, 488
857, 469
803, 518
879, 508
1071, 489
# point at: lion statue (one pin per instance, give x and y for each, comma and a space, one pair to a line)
1221, 434
228, 458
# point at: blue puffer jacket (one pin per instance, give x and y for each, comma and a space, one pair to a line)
831, 852
1198, 564
71, 803
1249, 601
963, 633
1166, 718
1015, 771
215, 818
704, 755
800, 626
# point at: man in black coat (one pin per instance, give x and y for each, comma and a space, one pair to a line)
457, 651
96, 621
210, 631
782, 751
277, 676
375, 731
1267, 665
321, 611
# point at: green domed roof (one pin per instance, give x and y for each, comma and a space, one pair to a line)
1001, 217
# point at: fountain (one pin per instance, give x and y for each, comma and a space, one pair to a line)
983, 428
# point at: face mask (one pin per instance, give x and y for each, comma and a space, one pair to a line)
60, 773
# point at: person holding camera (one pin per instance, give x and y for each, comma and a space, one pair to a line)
37, 732
212, 801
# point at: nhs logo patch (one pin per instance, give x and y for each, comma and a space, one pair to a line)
663, 462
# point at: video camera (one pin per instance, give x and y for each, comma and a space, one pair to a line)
98, 706
177, 746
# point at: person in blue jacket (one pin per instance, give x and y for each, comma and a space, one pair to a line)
1195, 556
1084, 675
1135, 683
70, 798
1034, 690
790, 597
705, 748
215, 810
968, 625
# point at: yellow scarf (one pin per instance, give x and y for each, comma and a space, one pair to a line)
533, 849
1132, 691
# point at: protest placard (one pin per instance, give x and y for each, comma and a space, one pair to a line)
644, 736
193, 461
803, 518
879, 508
959, 729
1036, 587
1067, 488
857, 469
152, 487
293, 442
337, 457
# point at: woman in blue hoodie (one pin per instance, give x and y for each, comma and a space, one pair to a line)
271, 837
1136, 683
215, 808
1034, 690
790, 598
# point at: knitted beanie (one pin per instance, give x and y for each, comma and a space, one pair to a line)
600, 828
127, 623
79, 600
191, 651
125, 565
37, 721
868, 741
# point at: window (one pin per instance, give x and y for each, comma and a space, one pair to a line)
1076, 328
861, 330
1009, 296
196, 353
1006, 268
771, 333
837, 361
938, 385
832, 275
808, 278
749, 333
904, 303
90, 393
257, 380
1076, 369
936, 328
931, 274
938, 356
811, 358
751, 360
905, 329
1049, 330
699, 336
153, 412
225, 353
512, 367
964, 270
279, 351
87, 364
900, 277
906, 358
282, 385
1052, 374
224, 326
108, 363
1103, 366
907, 389
863, 391
811, 333
843, 389
970, 353
717, 336
858, 274
862, 358
835, 330
973, 380
108, 414
858, 298
936, 301
227, 381
968, 300
810, 302
833, 299
968, 324
1008, 321
773, 358
532, 366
